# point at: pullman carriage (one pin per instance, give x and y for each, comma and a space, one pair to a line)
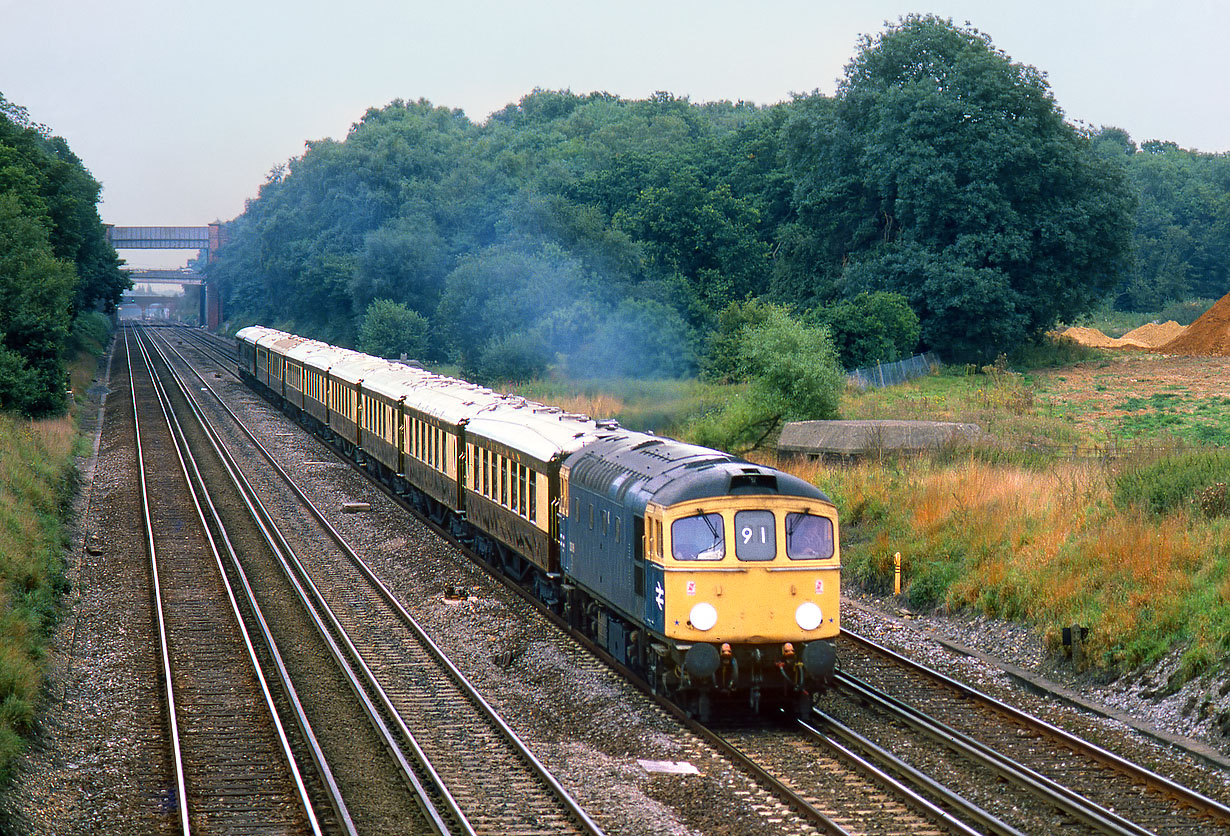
379, 408
253, 359
270, 346
316, 366
345, 385
513, 455
294, 371
434, 414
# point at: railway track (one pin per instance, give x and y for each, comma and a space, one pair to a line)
876, 791
1030, 771
464, 760
231, 758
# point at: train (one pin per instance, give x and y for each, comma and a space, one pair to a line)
715, 579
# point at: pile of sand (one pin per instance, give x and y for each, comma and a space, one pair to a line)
1091, 336
1154, 334
1095, 338
1150, 336
1207, 336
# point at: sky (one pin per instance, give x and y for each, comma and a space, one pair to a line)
181, 109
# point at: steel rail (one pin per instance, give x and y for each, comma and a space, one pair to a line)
181, 792
1133, 770
329, 627
1061, 797
920, 779
578, 813
200, 491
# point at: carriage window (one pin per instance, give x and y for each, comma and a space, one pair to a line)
698, 538
808, 537
755, 535
533, 497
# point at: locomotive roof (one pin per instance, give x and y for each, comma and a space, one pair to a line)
543, 432
637, 468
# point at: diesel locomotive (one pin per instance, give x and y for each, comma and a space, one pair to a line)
715, 579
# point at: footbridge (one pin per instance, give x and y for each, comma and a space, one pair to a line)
163, 291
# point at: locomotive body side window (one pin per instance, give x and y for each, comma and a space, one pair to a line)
698, 538
808, 537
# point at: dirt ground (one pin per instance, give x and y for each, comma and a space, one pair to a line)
1095, 392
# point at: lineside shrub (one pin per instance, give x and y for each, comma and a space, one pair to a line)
1174, 481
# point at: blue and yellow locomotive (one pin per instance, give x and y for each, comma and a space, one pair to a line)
714, 578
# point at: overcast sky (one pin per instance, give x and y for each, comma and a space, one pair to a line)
180, 109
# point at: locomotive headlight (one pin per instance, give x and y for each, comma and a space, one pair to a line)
808, 616
703, 616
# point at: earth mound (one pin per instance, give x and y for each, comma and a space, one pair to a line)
1096, 339
1153, 334
1207, 336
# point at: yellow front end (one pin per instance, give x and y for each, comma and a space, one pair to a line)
769, 573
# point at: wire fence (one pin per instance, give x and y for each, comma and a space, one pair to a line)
890, 374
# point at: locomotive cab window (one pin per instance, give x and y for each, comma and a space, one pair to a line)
808, 537
755, 535
698, 538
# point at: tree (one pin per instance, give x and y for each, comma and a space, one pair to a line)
1182, 225
792, 374
390, 329
36, 291
872, 327
946, 173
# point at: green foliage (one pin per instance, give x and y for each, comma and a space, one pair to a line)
512, 358
36, 291
585, 223
54, 261
1173, 481
794, 375
944, 172
1045, 351
723, 358
872, 327
1182, 232
390, 329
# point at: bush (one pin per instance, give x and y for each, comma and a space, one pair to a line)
872, 327
793, 375
91, 332
1185, 313
1047, 351
513, 358
390, 329
1175, 481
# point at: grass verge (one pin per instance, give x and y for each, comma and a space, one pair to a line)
38, 479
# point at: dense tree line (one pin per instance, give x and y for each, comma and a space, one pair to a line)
1182, 236
939, 200
55, 262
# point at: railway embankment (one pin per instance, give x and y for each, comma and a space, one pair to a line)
43, 463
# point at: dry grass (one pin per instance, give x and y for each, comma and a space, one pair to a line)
36, 483
1048, 547
600, 405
